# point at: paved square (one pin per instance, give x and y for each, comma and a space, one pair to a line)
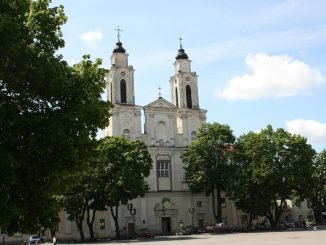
317, 237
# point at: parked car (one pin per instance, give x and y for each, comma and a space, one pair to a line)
186, 231
242, 228
304, 223
34, 239
289, 224
198, 230
148, 234
262, 226
220, 227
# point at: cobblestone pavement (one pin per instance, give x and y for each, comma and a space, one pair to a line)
311, 237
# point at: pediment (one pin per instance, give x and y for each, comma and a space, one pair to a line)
161, 103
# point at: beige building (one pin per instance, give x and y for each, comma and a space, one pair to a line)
169, 127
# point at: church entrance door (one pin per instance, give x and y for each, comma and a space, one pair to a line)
131, 230
166, 225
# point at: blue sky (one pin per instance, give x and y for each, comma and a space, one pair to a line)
258, 62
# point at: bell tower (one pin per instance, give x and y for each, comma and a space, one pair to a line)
184, 95
120, 85
184, 88
126, 116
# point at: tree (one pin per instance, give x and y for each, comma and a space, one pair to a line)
273, 166
75, 204
207, 162
83, 197
124, 165
49, 113
317, 194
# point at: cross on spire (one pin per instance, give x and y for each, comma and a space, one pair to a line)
118, 31
180, 42
159, 91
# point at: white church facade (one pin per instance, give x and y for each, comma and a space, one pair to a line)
169, 128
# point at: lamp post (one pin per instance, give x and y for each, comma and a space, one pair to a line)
163, 210
181, 224
191, 211
132, 212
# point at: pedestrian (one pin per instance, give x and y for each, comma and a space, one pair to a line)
304, 224
54, 240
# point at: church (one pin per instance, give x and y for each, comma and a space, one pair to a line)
169, 128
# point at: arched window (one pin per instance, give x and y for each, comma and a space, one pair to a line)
126, 134
193, 135
188, 96
111, 92
123, 91
176, 97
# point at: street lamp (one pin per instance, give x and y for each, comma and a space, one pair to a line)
163, 210
191, 211
181, 224
132, 212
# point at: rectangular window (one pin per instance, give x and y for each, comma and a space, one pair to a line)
102, 224
199, 204
163, 168
201, 223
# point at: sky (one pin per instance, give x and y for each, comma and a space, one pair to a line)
258, 62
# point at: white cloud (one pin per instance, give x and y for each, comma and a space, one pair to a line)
272, 77
314, 131
93, 38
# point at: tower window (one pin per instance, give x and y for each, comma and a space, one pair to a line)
123, 91
176, 97
188, 96
111, 92
126, 134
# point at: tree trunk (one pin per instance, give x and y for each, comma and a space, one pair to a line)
116, 222
79, 223
317, 215
214, 205
279, 211
250, 220
270, 218
90, 222
219, 206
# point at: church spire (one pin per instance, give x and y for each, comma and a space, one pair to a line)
119, 48
181, 52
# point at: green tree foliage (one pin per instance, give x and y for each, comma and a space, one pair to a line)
122, 169
207, 162
83, 197
49, 113
270, 167
317, 194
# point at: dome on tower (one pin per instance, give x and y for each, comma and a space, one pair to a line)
119, 48
181, 54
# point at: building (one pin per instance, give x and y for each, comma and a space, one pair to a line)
169, 127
